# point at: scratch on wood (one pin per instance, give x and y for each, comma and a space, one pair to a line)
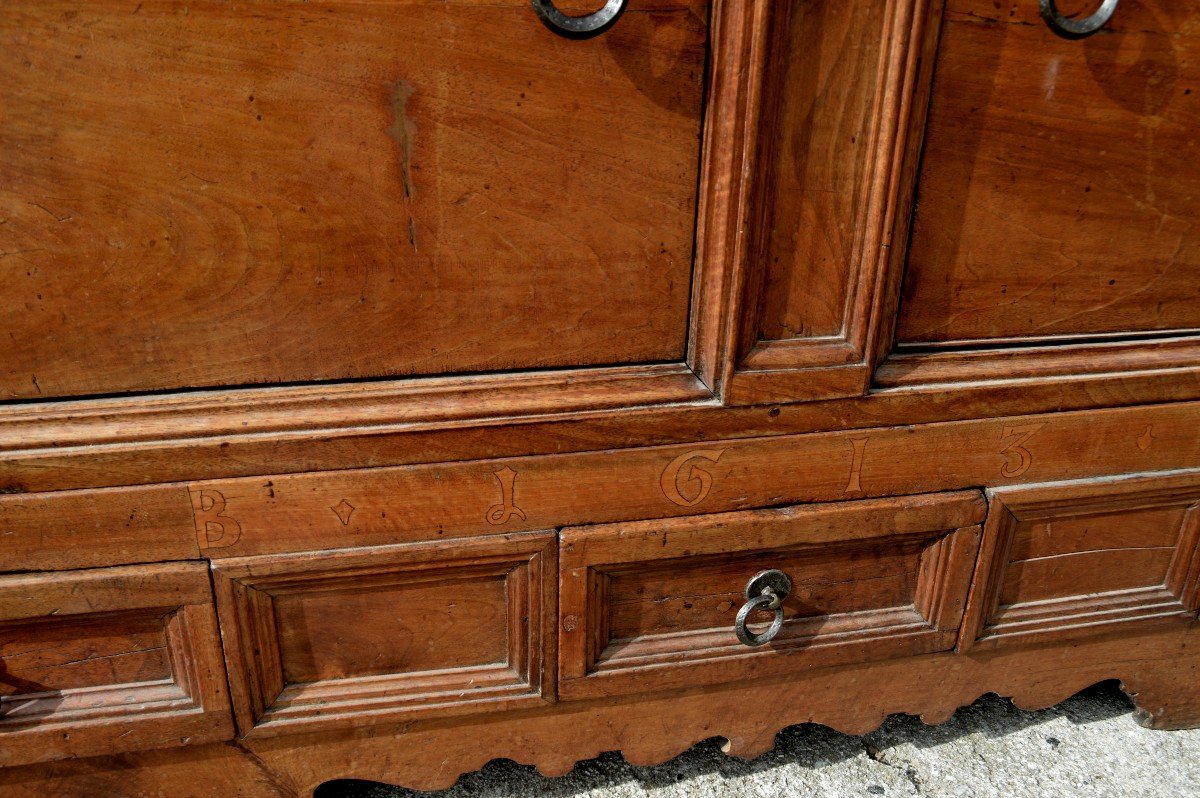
403, 130
279, 782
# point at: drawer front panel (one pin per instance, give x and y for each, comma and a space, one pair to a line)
351, 632
347, 638
652, 604
349, 189
1085, 557
110, 660
1059, 182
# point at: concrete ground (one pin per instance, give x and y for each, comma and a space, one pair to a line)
1088, 746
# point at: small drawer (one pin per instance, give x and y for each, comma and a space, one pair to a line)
1076, 558
361, 636
652, 605
109, 660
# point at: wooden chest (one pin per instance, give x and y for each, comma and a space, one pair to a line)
388, 386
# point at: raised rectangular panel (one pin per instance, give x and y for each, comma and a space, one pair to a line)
652, 604
1059, 183
349, 190
109, 660
1086, 557
836, 101
360, 636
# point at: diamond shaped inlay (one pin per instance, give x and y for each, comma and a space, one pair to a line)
343, 510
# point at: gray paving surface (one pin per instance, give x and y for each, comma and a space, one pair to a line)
1088, 746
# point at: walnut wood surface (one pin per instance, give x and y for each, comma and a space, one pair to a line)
109, 660
833, 157
1063, 560
295, 512
1058, 191
283, 194
360, 507
89, 528
1158, 669
103, 443
303, 192
368, 635
827, 69
650, 605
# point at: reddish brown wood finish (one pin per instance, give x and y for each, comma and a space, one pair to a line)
89, 528
1058, 188
835, 139
437, 190
109, 660
1076, 558
363, 636
343, 190
1157, 668
826, 71
651, 605
298, 512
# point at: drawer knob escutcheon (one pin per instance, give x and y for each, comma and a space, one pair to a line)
584, 27
1077, 28
765, 591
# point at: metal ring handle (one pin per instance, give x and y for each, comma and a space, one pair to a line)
584, 27
758, 603
1077, 28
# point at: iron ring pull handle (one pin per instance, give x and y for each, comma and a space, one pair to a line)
1077, 28
584, 27
766, 591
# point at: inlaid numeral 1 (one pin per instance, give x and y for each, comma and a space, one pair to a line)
502, 513
854, 483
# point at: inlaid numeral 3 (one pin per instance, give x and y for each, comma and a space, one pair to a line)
1018, 459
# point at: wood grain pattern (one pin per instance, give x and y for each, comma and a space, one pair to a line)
696, 593
1158, 670
1083, 573
54, 655
340, 190
1172, 357
1063, 560
46, 450
651, 605
833, 354
1059, 189
422, 627
433, 267
729, 194
338, 639
827, 74
1151, 527
89, 528
391, 505
109, 660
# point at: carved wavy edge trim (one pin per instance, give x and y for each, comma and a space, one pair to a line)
752, 737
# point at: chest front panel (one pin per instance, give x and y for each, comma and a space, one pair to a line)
206, 195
